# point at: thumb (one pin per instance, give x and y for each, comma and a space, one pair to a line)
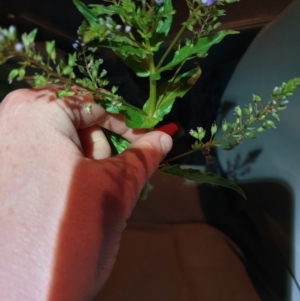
117, 181
150, 148
158, 140
134, 166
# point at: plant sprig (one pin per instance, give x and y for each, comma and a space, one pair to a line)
256, 120
136, 32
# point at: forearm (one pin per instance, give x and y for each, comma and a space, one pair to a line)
31, 209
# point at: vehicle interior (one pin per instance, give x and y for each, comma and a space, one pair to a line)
200, 242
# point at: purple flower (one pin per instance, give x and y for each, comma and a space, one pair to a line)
158, 2
208, 2
12, 30
19, 47
127, 28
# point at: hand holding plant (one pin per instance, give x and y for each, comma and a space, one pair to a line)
136, 31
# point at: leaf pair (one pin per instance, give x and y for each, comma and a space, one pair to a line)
169, 91
197, 49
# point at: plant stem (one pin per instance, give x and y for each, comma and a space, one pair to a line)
181, 155
33, 63
152, 82
152, 97
177, 37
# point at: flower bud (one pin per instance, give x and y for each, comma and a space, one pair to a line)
201, 133
193, 134
238, 111
250, 108
213, 129
256, 98
224, 125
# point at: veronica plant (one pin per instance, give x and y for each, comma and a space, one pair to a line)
136, 31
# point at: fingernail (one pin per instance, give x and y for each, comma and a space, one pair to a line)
166, 143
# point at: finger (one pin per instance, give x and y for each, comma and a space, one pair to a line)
84, 112
139, 162
81, 110
94, 143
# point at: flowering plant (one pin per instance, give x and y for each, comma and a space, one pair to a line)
135, 31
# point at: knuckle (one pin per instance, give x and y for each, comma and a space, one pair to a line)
16, 95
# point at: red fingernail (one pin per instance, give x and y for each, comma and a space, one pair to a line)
169, 128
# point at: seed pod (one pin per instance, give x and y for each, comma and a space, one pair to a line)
238, 111
213, 128
224, 125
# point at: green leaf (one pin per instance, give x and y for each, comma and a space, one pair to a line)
134, 60
39, 81
100, 9
117, 143
249, 135
13, 73
63, 93
67, 70
72, 59
89, 14
50, 49
256, 98
136, 118
144, 192
28, 39
21, 74
199, 49
168, 92
276, 116
163, 26
200, 177
269, 124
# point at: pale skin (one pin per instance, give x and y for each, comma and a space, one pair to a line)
64, 200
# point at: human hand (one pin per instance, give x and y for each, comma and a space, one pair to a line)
64, 200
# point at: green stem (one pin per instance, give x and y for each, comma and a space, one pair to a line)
177, 37
152, 97
33, 63
181, 155
241, 128
152, 83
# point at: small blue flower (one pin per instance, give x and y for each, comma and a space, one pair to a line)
127, 28
158, 2
18, 47
208, 2
12, 30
